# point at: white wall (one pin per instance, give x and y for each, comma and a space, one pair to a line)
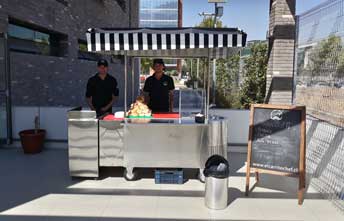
238, 124
52, 119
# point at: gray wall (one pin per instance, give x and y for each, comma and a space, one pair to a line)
39, 80
74, 17
52, 81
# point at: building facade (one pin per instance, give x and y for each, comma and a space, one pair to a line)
44, 62
162, 14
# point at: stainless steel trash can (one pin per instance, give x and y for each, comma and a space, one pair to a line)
216, 193
216, 174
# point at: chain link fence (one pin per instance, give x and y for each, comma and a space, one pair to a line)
320, 62
319, 84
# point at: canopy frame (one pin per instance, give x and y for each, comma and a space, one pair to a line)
206, 83
176, 43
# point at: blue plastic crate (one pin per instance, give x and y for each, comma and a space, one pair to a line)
169, 176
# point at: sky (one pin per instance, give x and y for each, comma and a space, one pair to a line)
250, 15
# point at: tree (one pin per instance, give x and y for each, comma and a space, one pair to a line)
340, 67
227, 71
327, 57
255, 67
208, 22
146, 64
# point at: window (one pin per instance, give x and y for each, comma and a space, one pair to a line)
27, 34
159, 24
158, 13
26, 39
162, 4
84, 54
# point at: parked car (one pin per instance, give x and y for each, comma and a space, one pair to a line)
339, 84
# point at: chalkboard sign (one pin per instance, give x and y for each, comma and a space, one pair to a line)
276, 140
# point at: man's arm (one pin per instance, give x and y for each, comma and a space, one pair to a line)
109, 105
115, 93
171, 100
89, 93
146, 95
89, 102
146, 89
171, 90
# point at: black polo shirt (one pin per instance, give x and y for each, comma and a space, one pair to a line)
101, 91
159, 92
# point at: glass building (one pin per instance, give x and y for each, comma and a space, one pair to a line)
160, 13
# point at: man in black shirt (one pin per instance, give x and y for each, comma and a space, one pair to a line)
101, 90
159, 88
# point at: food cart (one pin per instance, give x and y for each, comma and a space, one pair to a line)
157, 142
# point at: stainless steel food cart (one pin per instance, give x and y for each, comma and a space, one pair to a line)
152, 143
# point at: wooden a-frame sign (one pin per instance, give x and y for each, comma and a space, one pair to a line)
277, 143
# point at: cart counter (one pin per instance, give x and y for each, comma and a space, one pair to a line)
152, 143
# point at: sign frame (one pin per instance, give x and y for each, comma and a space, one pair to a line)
301, 174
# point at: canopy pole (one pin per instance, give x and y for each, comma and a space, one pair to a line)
214, 83
208, 88
191, 71
197, 72
205, 68
125, 82
132, 79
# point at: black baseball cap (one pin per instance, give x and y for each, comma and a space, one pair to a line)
102, 62
158, 61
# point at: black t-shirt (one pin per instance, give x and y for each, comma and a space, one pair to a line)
159, 92
101, 91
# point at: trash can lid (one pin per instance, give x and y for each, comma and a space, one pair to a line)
216, 166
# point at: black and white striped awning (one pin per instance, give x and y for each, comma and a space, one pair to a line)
162, 42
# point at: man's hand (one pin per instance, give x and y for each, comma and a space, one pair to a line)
104, 109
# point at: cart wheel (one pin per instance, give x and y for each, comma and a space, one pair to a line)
130, 175
201, 176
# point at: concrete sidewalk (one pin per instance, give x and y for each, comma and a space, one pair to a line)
38, 187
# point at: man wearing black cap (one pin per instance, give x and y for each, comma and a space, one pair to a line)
101, 90
159, 88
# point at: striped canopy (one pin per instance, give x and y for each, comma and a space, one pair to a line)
167, 42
